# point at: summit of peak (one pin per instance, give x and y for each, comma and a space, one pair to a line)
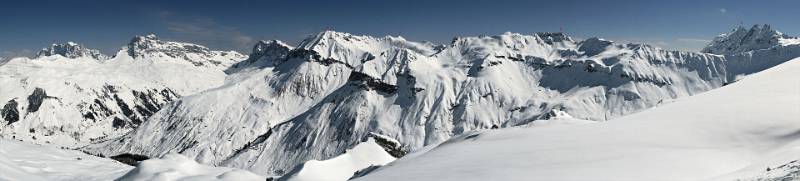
741, 39
71, 50
149, 46
265, 53
264, 43
269, 46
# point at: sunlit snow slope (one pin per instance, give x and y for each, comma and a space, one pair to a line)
342, 167
177, 167
728, 133
29, 162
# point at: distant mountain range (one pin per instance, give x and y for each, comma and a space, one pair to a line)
282, 105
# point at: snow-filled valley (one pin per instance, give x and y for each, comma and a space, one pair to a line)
337, 106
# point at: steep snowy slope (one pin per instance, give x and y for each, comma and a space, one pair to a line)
746, 126
284, 105
70, 95
28, 162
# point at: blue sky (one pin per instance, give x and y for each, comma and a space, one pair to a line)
27, 26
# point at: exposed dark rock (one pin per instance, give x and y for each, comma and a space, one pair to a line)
393, 148
10, 112
130, 159
313, 56
370, 83
363, 172
35, 99
99, 108
127, 111
89, 115
260, 139
118, 123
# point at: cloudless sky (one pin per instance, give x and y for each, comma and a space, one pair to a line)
27, 26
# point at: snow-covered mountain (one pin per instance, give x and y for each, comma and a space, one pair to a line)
742, 40
286, 105
732, 133
71, 50
70, 95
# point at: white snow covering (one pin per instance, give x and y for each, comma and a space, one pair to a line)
736, 131
174, 167
342, 167
288, 105
28, 162
74, 100
790, 41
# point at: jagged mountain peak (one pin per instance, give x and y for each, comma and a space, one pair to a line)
71, 50
741, 39
149, 46
265, 53
554, 37
142, 45
265, 45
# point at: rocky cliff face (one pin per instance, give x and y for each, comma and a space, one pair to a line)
150, 47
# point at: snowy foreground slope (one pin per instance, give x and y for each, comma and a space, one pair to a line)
178, 167
286, 105
362, 156
734, 132
70, 95
29, 162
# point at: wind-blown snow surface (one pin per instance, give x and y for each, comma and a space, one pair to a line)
284, 105
70, 95
341, 167
722, 134
178, 167
28, 162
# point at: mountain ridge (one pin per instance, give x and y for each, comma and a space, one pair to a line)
334, 89
70, 95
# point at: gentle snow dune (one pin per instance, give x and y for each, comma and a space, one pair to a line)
341, 167
178, 167
728, 133
28, 162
